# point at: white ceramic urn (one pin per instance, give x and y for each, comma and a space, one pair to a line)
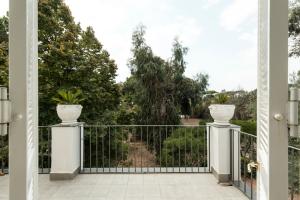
221, 113
68, 113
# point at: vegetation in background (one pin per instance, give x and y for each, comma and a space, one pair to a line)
294, 36
220, 99
4, 51
153, 84
184, 147
294, 27
158, 87
247, 126
69, 57
110, 150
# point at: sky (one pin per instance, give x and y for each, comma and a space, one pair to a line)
221, 35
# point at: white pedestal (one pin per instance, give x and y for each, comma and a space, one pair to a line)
65, 151
221, 151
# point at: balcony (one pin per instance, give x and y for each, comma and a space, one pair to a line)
142, 162
148, 162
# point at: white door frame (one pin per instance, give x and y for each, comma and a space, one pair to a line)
272, 99
272, 144
23, 89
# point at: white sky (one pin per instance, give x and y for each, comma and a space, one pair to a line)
221, 34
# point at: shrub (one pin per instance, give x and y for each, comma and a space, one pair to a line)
185, 147
248, 126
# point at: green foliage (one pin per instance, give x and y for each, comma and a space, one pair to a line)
189, 93
294, 163
294, 29
247, 126
184, 147
295, 79
70, 57
4, 51
3, 152
68, 97
158, 87
220, 98
127, 112
245, 104
108, 147
153, 84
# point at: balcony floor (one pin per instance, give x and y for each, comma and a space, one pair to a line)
132, 187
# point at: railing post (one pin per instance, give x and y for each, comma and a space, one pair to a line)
81, 147
235, 154
66, 153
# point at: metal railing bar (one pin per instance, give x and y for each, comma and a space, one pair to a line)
294, 148
41, 148
109, 147
166, 155
209, 168
173, 156
103, 160
97, 148
90, 149
192, 146
154, 145
141, 150
130, 125
244, 133
185, 150
198, 149
204, 146
122, 148
160, 149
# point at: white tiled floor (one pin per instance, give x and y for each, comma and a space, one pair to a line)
132, 187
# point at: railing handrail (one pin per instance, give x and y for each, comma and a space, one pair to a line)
295, 148
244, 133
137, 125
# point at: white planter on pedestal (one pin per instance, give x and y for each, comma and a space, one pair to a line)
221, 113
68, 113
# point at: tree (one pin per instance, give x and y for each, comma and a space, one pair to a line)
4, 51
190, 92
72, 58
69, 57
294, 28
295, 78
154, 83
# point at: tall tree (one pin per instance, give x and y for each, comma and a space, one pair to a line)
154, 83
190, 92
69, 57
294, 27
72, 58
4, 50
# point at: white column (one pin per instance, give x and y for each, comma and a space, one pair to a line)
23, 89
272, 99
